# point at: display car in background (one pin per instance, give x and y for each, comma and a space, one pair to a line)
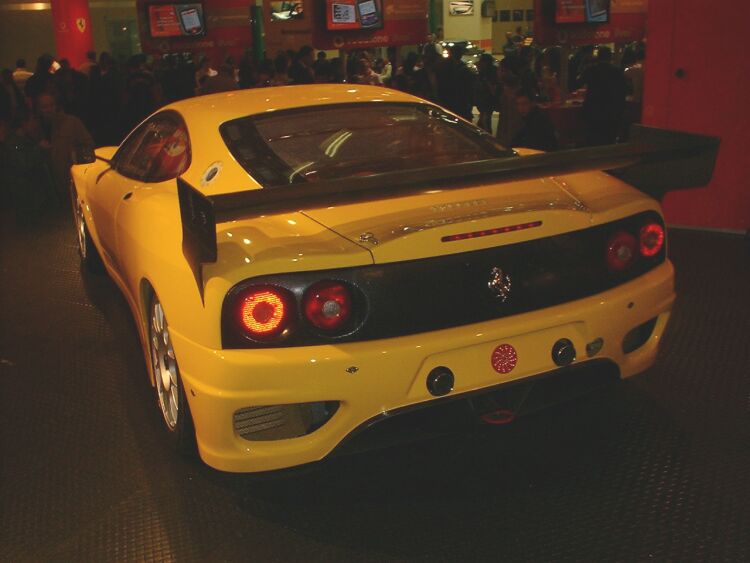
305, 262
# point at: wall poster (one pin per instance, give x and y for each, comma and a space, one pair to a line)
463, 8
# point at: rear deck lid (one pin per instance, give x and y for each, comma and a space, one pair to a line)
447, 222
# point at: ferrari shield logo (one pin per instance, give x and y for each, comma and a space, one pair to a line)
81, 24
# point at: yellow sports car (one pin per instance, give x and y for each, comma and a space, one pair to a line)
304, 263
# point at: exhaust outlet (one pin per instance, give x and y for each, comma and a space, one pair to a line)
563, 352
440, 381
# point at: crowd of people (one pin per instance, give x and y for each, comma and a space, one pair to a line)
48, 112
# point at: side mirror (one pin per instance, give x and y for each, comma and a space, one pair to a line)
83, 155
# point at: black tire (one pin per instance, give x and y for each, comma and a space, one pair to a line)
171, 401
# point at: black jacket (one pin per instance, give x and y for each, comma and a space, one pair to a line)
537, 132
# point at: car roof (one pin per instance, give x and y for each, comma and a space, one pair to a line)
226, 106
204, 114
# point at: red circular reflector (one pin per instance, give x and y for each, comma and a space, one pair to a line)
328, 305
504, 358
652, 239
263, 312
621, 250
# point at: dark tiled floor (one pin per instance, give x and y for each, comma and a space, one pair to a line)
656, 468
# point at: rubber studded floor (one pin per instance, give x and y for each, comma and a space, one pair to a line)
656, 468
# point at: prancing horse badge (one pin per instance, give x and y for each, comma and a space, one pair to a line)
499, 284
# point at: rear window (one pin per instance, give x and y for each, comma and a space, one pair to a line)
352, 140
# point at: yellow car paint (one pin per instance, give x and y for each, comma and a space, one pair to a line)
136, 228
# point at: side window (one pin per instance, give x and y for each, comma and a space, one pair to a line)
158, 150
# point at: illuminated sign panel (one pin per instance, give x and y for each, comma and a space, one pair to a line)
342, 15
176, 20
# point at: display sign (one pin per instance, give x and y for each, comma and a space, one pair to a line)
569, 11
582, 11
354, 14
398, 22
285, 11
464, 8
588, 22
214, 29
597, 11
176, 20
628, 6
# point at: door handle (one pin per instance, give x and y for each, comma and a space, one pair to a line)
127, 196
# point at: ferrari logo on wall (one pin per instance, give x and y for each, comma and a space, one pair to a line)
81, 24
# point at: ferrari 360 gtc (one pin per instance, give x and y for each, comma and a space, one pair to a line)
305, 262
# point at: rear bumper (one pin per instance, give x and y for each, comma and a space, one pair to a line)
462, 413
373, 378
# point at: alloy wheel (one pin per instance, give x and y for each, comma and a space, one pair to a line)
164, 366
79, 222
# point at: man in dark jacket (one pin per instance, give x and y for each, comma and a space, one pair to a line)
486, 90
301, 70
604, 105
41, 80
456, 84
537, 131
64, 135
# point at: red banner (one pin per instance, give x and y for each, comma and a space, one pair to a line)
217, 28
163, 21
629, 6
72, 25
554, 22
570, 11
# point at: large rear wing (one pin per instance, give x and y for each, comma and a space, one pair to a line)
655, 161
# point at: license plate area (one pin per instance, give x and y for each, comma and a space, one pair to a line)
499, 360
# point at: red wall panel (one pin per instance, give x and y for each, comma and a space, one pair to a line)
698, 79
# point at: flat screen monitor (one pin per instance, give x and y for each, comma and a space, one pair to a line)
597, 11
582, 11
176, 20
354, 14
286, 10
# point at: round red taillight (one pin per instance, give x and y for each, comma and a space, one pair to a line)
621, 251
652, 239
328, 305
264, 312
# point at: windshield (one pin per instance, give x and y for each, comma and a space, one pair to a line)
353, 140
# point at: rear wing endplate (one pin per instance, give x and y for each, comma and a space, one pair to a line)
655, 161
